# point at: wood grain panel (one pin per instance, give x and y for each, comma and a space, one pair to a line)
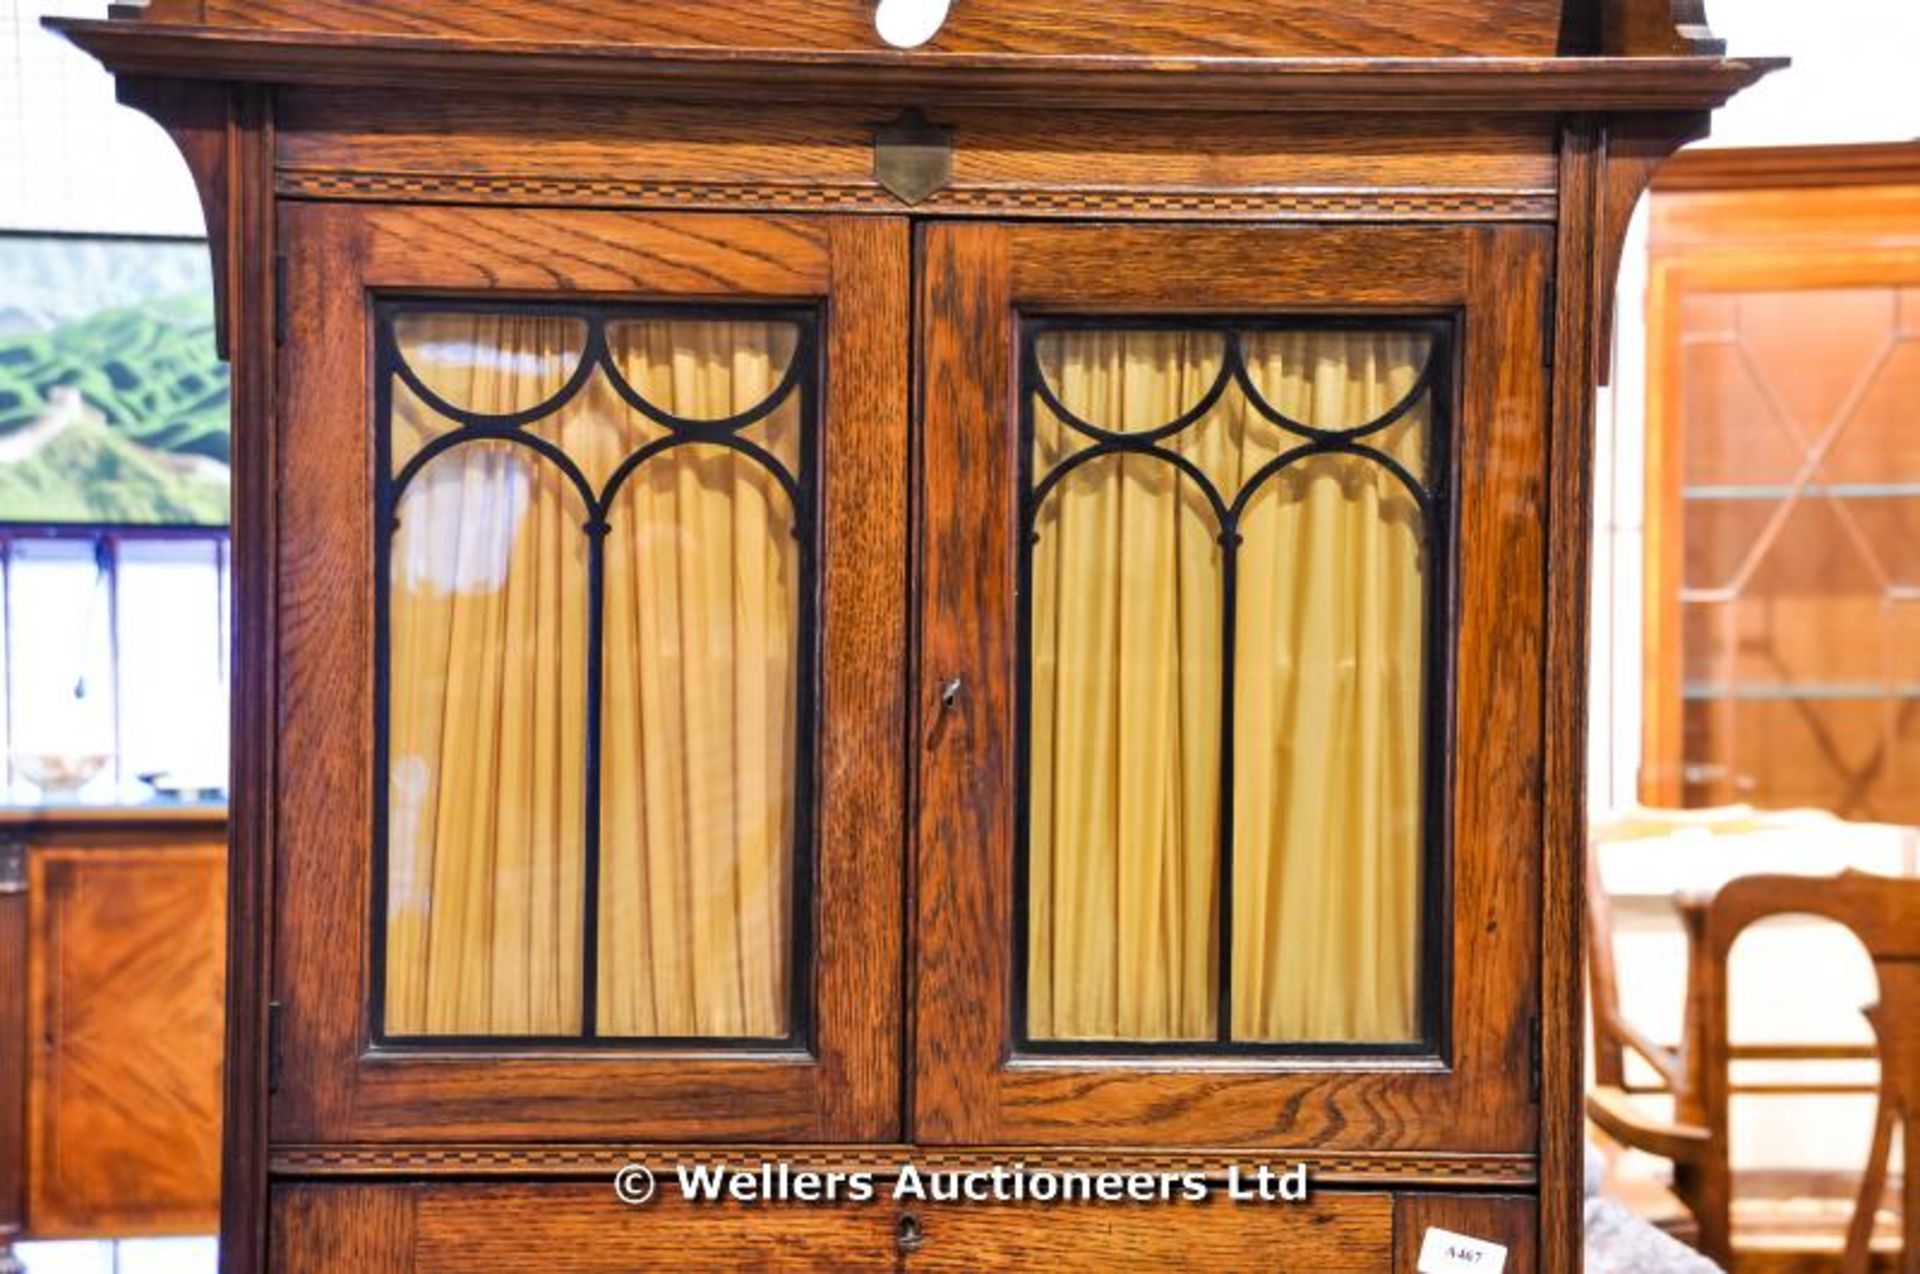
1120, 269
1583, 292
335, 1084
1507, 1220
1195, 28
1474, 1093
583, 1229
331, 1229
507, 149
860, 951
127, 977
252, 326
592, 254
1333, 1234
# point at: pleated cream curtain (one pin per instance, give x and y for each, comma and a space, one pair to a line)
702, 605
1127, 614
487, 722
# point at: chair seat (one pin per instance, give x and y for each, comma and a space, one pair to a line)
1791, 1223
1784, 1222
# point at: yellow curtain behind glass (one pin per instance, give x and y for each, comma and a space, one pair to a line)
702, 609
488, 664
487, 720
1126, 687
1125, 735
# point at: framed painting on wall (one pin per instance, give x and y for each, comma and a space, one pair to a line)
113, 401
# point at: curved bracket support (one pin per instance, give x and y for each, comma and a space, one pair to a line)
1636, 146
198, 116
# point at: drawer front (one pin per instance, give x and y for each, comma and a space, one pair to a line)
562, 1228
1335, 1234
580, 1228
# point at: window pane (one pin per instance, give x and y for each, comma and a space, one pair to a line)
1226, 599
59, 656
703, 617
617, 540
486, 748
173, 691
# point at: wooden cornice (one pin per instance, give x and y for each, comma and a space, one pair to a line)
1545, 84
1791, 167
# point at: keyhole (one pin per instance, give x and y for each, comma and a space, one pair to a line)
949, 697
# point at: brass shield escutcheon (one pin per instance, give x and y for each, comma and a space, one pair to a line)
912, 156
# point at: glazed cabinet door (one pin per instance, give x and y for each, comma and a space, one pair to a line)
592, 646
1229, 698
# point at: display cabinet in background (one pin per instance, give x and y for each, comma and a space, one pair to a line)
1014, 601
1783, 493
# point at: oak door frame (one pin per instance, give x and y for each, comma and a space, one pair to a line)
334, 1082
1474, 1092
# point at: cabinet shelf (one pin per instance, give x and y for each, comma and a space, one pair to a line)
1782, 490
1707, 692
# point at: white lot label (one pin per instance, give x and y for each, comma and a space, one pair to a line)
1444, 1252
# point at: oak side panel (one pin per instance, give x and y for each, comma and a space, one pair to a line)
1497, 764
1507, 1220
248, 250
127, 974
1195, 28
1332, 1234
1583, 290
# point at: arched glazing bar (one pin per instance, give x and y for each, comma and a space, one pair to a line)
794, 387
1296, 441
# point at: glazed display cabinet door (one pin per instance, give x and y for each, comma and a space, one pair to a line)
1229, 799
592, 637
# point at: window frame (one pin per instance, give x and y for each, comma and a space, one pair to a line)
801, 382
1436, 388
107, 540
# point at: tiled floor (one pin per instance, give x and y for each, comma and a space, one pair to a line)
121, 1256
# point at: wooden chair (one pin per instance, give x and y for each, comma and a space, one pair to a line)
1884, 914
1614, 1101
